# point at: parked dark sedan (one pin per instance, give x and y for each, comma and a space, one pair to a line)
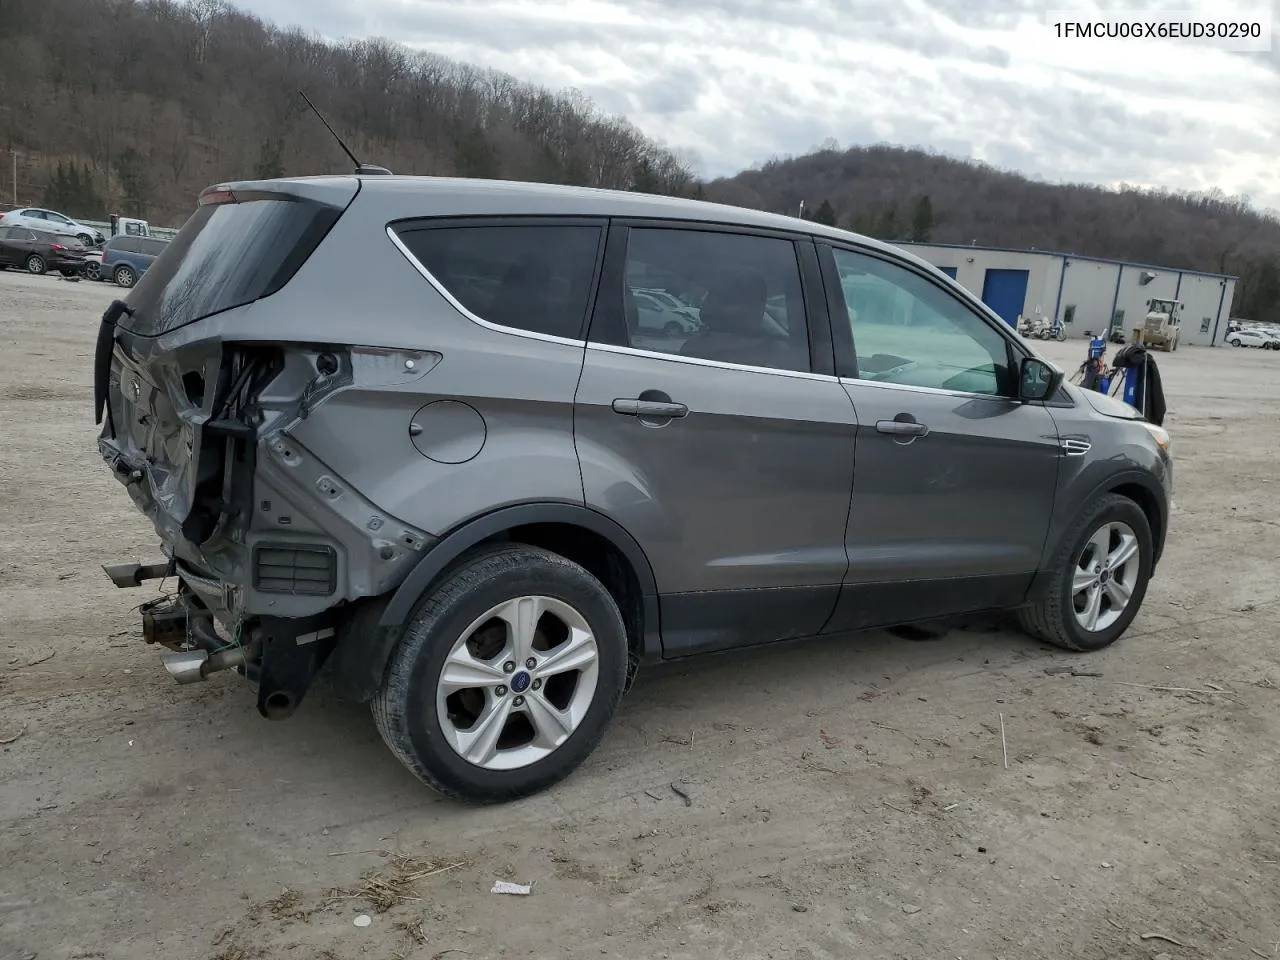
39, 251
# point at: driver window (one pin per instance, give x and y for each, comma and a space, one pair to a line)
908, 331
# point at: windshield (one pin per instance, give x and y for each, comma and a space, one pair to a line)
226, 255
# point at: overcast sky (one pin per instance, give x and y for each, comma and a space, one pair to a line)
739, 81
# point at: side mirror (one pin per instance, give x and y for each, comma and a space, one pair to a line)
1037, 380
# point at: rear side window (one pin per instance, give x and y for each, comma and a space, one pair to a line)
727, 297
534, 277
123, 245
225, 255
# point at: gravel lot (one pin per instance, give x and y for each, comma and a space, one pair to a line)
847, 797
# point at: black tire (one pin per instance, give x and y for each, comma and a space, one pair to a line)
124, 276
85, 239
1234, 343
672, 329
478, 582
92, 270
1052, 618
36, 265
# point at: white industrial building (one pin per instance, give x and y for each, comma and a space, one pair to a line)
1087, 293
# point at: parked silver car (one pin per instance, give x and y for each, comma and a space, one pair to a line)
469, 489
37, 218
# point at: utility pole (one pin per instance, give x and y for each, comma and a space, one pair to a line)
800, 214
15, 177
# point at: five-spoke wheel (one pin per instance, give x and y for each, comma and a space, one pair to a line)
506, 675
1098, 577
517, 683
1104, 577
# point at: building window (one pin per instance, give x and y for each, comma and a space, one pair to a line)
1205, 324
1069, 313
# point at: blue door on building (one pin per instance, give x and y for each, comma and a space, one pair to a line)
949, 271
1005, 292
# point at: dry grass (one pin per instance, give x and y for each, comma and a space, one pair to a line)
238, 951
413, 930
393, 885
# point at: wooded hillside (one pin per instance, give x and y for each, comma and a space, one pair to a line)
145, 102
898, 194
133, 106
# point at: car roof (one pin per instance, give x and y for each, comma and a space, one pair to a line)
410, 196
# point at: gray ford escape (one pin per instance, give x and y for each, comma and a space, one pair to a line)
412, 431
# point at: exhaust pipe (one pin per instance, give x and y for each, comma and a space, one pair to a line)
192, 666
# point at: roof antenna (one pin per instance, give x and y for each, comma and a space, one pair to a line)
367, 169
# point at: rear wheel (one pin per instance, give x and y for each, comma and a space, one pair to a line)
506, 676
36, 264
125, 276
1100, 576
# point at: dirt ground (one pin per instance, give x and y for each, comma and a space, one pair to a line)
846, 798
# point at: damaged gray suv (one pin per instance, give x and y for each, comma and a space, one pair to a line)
477, 451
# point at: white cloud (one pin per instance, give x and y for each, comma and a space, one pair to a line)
739, 81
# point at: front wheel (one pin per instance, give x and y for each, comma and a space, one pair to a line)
1099, 578
92, 270
125, 276
1234, 343
506, 676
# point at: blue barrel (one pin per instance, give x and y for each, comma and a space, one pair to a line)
1133, 386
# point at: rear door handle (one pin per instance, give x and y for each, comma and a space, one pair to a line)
649, 408
902, 428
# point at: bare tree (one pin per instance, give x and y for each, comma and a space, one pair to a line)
195, 91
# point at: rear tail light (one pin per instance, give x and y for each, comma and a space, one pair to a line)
216, 195
57, 247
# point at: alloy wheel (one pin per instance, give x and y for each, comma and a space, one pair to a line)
517, 683
1104, 576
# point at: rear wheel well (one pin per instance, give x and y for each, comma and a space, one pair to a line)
599, 557
1146, 502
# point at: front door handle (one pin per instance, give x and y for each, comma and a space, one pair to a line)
902, 428
655, 409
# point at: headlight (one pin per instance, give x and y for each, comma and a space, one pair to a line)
1160, 435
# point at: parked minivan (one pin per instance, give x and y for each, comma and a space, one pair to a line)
409, 431
125, 258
